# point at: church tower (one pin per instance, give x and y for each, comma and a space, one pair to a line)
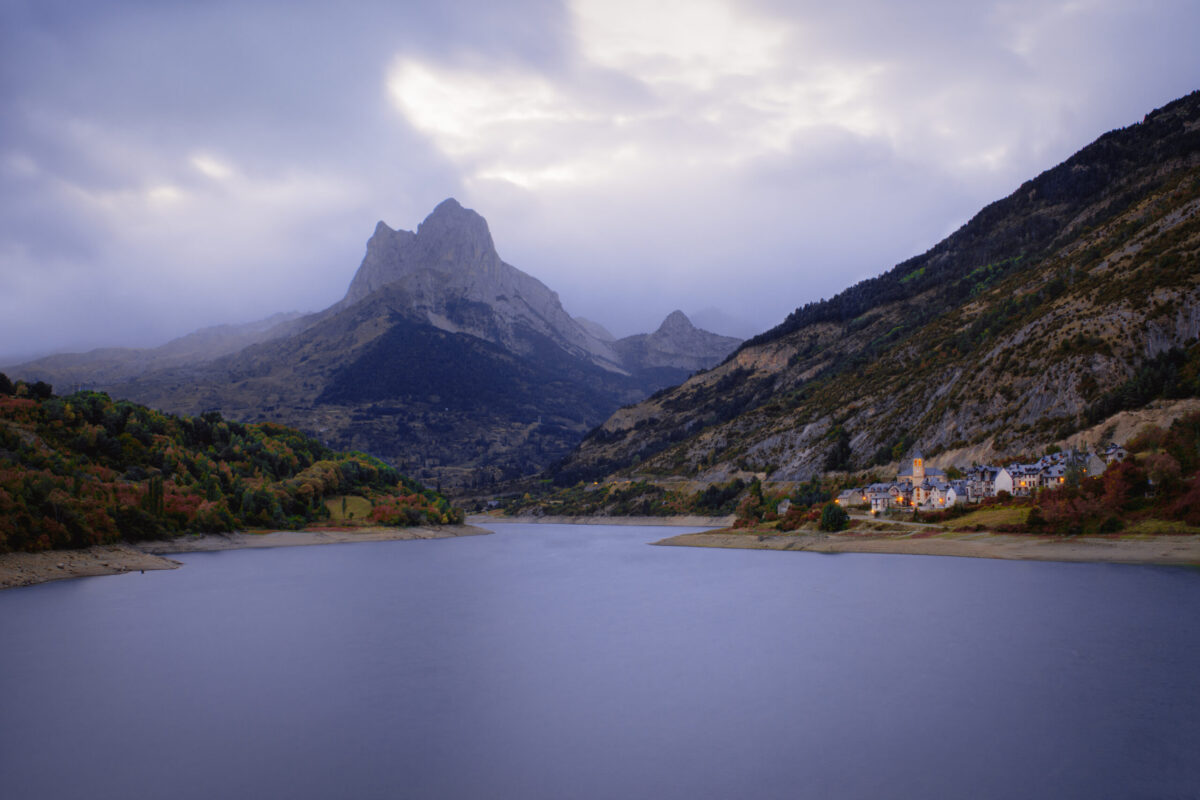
918, 468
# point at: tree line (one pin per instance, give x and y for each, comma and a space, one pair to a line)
84, 469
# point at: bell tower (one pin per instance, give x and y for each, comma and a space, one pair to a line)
918, 467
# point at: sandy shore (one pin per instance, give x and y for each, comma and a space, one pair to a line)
672, 522
25, 569
1147, 550
209, 542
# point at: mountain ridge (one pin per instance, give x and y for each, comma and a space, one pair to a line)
999, 338
441, 358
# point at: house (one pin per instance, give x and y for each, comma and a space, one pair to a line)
917, 472
1026, 479
881, 501
1002, 482
1114, 452
987, 481
1054, 476
1094, 466
943, 496
784, 505
851, 497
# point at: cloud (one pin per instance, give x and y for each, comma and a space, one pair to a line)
180, 165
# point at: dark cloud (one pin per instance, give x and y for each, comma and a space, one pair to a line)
165, 166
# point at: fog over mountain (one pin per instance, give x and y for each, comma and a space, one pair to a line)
440, 358
165, 168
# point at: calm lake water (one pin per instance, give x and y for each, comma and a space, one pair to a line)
578, 662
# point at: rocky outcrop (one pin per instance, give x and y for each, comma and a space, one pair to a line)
441, 358
1040, 317
450, 263
678, 344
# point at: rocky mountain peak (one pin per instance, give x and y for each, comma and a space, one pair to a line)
677, 344
456, 236
451, 258
676, 323
452, 240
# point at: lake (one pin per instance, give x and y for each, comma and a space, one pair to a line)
554, 661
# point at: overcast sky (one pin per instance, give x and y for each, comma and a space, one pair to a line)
165, 166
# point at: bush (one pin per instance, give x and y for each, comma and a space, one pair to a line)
833, 518
1035, 519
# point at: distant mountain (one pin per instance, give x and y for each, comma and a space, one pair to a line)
451, 263
109, 364
677, 349
441, 358
1076, 297
596, 329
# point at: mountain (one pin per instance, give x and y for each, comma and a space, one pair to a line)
1070, 300
441, 359
451, 263
677, 349
109, 364
596, 329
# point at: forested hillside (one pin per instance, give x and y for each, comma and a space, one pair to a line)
1074, 297
83, 469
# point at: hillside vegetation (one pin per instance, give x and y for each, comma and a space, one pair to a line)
443, 360
1073, 298
83, 469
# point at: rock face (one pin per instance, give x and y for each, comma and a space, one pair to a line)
451, 263
441, 358
596, 329
676, 344
1076, 296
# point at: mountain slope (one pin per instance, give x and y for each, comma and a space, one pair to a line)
1012, 332
441, 358
110, 364
451, 259
677, 345
83, 469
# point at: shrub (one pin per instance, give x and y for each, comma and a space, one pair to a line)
1035, 519
833, 518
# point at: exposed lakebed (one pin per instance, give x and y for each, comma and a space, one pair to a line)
552, 661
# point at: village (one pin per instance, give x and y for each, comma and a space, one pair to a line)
921, 487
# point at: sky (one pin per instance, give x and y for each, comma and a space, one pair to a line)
165, 166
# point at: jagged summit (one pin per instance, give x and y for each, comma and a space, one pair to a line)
1047, 317
455, 236
449, 269
676, 323
677, 343
452, 240
441, 356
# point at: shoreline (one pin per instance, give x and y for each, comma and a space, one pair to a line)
682, 521
28, 569
1181, 550
215, 542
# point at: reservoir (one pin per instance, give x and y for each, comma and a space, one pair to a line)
555, 661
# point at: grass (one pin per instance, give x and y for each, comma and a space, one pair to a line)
357, 508
1157, 527
991, 517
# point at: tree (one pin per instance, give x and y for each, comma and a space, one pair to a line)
6, 385
839, 457
833, 518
